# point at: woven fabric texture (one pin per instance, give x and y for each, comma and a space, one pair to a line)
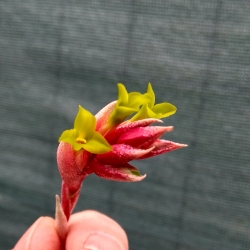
55, 55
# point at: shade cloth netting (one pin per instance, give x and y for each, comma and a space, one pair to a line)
55, 55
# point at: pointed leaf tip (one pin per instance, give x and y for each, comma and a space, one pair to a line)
123, 172
163, 146
61, 224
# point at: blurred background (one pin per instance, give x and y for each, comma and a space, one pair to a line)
55, 55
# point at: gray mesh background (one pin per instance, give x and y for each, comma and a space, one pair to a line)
56, 54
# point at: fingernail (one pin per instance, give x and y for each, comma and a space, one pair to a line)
102, 241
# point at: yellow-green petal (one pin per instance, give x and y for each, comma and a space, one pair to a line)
119, 114
137, 99
149, 110
69, 136
144, 112
122, 95
97, 144
152, 95
84, 124
164, 110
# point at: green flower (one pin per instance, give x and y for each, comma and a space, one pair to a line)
149, 110
127, 104
84, 136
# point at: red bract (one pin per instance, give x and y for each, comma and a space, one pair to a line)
129, 141
105, 144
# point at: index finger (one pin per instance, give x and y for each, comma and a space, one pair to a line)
41, 235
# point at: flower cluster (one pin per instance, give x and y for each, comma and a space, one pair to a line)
104, 144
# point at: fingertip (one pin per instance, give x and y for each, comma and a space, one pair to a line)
92, 230
41, 235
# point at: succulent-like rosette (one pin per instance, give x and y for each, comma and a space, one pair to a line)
104, 144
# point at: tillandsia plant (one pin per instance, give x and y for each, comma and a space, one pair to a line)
104, 144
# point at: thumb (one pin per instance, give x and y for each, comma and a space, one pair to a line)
95, 231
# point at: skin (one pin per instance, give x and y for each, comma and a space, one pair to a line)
86, 230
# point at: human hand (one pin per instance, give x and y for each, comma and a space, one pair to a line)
86, 230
